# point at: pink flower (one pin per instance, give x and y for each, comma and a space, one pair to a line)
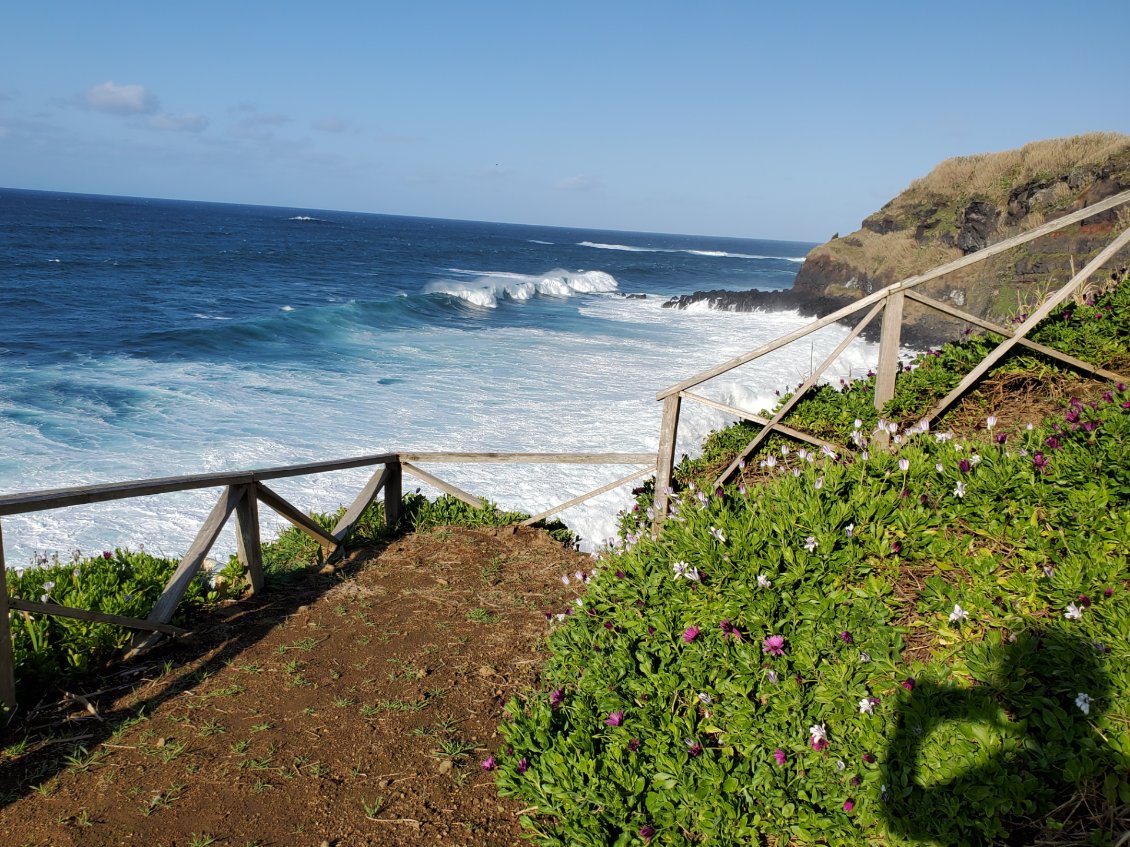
849, 805
774, 645
615, 719
647, 833
488, 764
523, 765
908, 683
556, 698
690, 634
780, 756
106, 554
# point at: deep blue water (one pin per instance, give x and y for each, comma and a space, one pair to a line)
151, 337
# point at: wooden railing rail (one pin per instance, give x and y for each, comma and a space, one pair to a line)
890, 302
241, 493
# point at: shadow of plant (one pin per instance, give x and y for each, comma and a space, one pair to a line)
978, 765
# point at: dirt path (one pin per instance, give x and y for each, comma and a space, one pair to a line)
351, 708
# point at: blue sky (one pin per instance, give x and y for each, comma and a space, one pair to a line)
765, 120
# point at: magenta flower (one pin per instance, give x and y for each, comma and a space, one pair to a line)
909, 683
780, 756
556, 698
849, 805
1039, 461
614, 719
647, 833
690, 634
1052, 442
869, 758
1084, 600
728, 629
523, 765
774, 645
693, 747
847, 637
106, 554
634, 745
488, 764
965, 466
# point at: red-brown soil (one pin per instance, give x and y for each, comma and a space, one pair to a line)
347, 708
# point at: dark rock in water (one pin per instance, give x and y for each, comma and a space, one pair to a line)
635, 296
809, 305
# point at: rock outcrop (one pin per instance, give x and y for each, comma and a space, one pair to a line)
962, 206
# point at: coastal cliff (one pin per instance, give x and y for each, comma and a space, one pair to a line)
963, 205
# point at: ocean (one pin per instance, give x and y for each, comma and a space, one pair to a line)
143, 338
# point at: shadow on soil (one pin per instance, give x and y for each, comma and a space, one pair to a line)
1036, 743
61, 732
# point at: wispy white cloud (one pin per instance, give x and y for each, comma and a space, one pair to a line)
114, 99
183, 122
580, 182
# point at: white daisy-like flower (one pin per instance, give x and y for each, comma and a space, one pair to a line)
958, 614
904, 464
866, 707
1073, 612
818, 732
810, 543
763, 581
959, 491
1084, 701
990, 421
704, 697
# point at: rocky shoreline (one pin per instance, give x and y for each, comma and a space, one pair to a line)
809, 305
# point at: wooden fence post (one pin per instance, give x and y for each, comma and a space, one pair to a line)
665, 459
247, 537
890, 338
7, 658
393, 506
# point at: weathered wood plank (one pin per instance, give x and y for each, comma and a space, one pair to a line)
360, 503
1034, 346
7, 657
902, 285
295, 516
97, 617
210, 530
782, 428
890, 339
394, 497
57, 498
787, 406
665, 457
530, 458
249, 546
1042, 312
588, 496
446, 487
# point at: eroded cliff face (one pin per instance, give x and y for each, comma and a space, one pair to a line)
968, 203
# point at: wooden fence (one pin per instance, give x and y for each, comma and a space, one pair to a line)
890, 302
242, 491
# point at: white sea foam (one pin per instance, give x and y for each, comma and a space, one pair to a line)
710, 253
535, 241
486, 289
436, 388
205, 317
303, 218
286, 309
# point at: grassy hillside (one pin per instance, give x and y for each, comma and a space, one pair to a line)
922, 646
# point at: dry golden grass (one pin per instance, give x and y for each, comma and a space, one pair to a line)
992, 174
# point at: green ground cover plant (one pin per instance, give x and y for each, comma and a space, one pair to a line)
927, 645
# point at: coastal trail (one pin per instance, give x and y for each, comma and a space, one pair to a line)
353, 706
